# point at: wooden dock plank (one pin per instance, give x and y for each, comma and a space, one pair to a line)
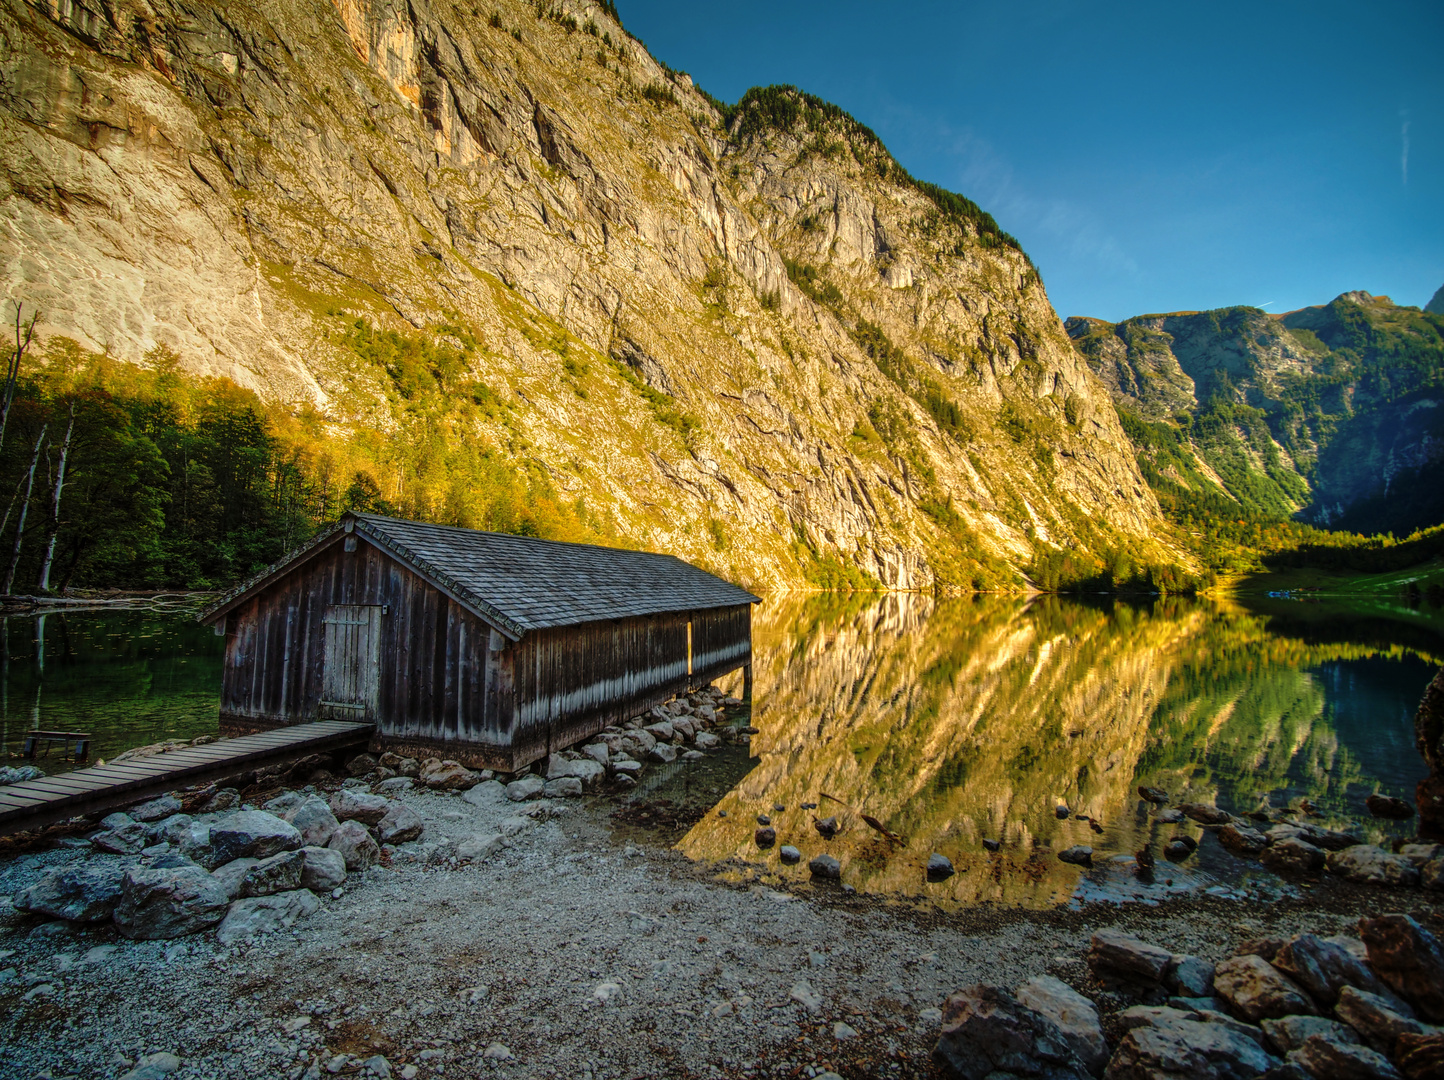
35, 803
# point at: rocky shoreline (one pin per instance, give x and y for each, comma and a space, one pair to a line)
419, 919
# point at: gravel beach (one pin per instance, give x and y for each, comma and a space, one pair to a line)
577, 947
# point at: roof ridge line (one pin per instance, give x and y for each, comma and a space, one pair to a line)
485, 610
517, 536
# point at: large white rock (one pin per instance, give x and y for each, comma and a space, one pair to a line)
169, 903
1075, 1016
528, 787
314, 819
87, 892
986, 1030
350, 805
251, 834
280, 873
1187, 1046
355, 845
324, 869
1256, 990
263, 914
1372, 865
399, 824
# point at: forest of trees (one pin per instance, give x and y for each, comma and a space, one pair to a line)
114, 475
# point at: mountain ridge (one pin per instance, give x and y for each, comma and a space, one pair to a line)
1333, 413
758, 346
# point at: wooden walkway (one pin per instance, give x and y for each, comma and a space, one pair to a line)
33, 804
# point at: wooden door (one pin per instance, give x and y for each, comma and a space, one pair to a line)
351, 673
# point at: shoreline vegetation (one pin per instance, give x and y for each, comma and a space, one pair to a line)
124, 478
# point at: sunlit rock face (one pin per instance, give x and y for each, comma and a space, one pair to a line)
242, 183
951, 722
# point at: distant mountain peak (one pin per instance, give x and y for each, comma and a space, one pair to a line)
1436, 305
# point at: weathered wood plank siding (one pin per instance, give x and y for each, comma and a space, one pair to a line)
721, 641
433, 653
571, 681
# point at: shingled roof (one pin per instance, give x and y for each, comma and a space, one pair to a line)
518, 583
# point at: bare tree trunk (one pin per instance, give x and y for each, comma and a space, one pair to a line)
20, 526
12, 368
52, 530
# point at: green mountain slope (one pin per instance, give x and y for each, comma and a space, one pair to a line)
1331, 414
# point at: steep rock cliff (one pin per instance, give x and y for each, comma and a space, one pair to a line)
758, 345
1334, 413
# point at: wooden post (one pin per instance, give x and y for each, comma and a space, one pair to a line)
747, 684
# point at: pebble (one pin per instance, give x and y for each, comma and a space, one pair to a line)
498, 1052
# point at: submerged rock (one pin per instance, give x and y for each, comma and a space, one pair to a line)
1205, 814
939, 868
1242, 840
1078, 855
1293, 855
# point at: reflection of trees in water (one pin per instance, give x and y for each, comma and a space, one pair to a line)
130, 678
954, 720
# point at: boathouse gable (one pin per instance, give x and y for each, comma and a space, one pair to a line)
491, 649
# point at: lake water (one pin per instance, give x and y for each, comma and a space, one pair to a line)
127, 677
949, 721
957, 720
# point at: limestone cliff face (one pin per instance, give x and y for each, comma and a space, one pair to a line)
863, 374
1332, 412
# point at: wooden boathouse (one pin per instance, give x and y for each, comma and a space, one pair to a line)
488, 648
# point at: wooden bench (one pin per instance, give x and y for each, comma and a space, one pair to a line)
80, 739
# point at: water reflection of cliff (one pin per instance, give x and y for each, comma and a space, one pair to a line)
955, 720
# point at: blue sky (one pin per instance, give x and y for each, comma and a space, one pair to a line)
1150, 158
